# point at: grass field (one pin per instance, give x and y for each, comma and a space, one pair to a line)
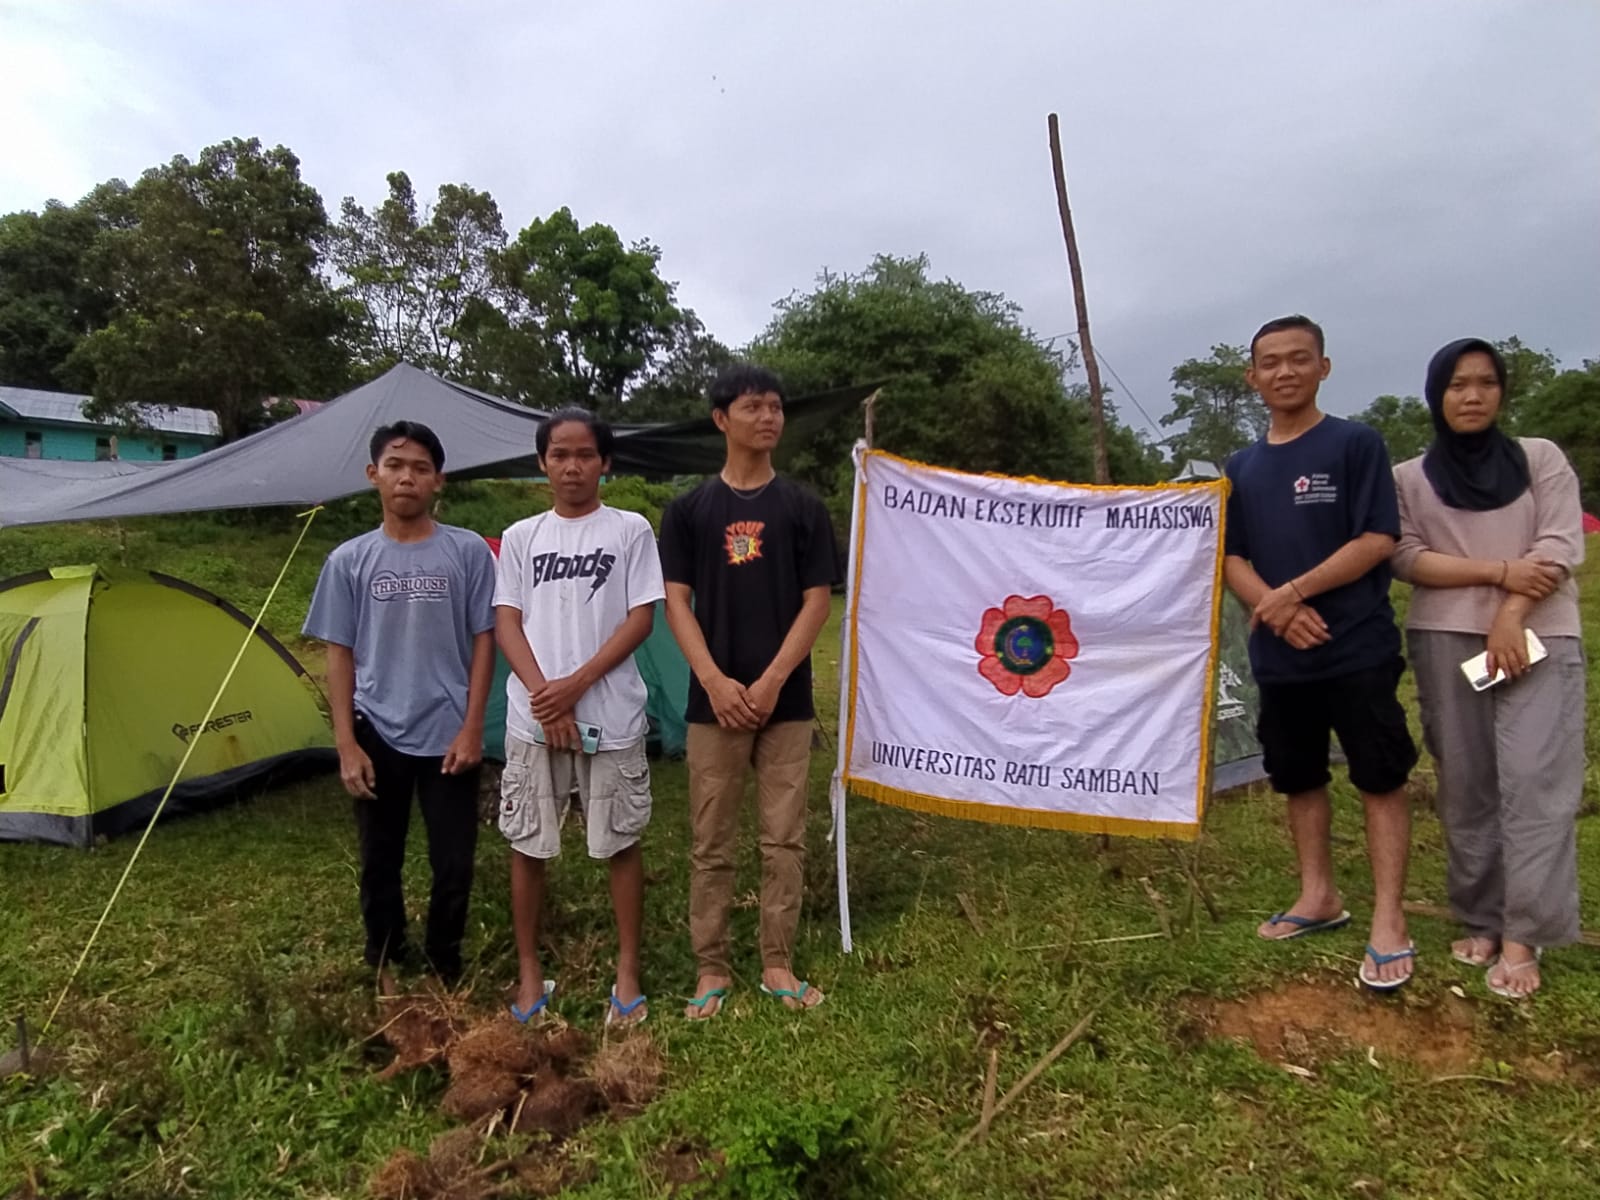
217, 1043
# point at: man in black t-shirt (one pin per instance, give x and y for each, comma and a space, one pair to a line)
749, 563
1312, 521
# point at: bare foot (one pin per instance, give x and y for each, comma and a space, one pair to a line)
1515, 975
386, 983
1476, 951
782, 979
709, 992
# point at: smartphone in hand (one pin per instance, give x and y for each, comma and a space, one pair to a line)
589, 735
1476, 668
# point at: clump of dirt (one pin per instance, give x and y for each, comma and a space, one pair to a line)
507, 1078
421, 1029
489, 1065
1303, 1024
405, 1174
628, 1072
451, 1171
551, 1175
685, 1163
556, 1104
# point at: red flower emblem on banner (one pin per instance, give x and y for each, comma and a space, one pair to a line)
1025, 645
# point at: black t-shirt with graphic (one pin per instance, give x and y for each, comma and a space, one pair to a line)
750, 559
1292, 505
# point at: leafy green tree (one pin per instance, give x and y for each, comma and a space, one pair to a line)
1132, 457
1404, 422
219, 299
48, 303
1527, 370
1218, 410
411, 277
579, 318
677, 388
1567, 411
967, 386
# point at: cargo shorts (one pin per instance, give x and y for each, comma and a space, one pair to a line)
536, 792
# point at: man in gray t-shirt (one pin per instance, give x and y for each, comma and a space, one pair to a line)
407, 613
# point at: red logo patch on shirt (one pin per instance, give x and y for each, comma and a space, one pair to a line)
743, 541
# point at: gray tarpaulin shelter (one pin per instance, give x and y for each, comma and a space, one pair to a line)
49, 484
323, 455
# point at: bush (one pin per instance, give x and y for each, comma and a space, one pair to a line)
638, 495
807, 1147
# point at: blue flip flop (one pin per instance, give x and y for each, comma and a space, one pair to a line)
524, 1015
1304, 925
1386, 985
617, 1013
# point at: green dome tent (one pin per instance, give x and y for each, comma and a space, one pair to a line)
104, 676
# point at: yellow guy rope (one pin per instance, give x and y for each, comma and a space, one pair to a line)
309, 516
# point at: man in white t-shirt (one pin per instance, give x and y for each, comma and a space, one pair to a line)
574, 597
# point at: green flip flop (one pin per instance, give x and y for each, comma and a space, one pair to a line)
699, 1002
797, 994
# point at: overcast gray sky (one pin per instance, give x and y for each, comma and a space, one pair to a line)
1406, 173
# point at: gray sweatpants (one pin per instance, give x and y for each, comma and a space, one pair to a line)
1511, 771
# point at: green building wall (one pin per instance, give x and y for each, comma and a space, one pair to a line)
81, 442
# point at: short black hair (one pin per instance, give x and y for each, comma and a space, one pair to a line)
744, 379
410, 431
1293, 321
604, 438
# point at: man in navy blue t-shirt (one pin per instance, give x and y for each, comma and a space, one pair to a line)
1312, 521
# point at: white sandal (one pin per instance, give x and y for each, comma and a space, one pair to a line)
1472, 960
1505, 992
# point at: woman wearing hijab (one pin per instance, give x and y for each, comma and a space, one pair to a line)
1490, 534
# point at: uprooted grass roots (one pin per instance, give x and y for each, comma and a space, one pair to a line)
507, 1078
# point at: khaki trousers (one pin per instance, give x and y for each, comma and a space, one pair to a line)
719, 762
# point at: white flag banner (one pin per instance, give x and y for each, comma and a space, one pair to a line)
1029, 652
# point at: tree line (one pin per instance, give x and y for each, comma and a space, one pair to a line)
223, 281
1217, 412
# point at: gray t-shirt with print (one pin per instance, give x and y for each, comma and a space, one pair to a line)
409, 611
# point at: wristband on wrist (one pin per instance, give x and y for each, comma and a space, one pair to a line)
1295, 588
1505, 569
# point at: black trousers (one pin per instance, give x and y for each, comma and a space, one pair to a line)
449, 806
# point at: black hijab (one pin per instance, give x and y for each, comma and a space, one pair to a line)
1475, 471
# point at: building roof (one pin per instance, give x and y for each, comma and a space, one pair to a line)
30, 404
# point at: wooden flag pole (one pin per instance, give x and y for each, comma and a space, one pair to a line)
1097, 406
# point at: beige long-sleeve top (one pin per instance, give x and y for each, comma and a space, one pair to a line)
1546, 520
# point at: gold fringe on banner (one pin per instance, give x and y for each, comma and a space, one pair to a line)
1036, 818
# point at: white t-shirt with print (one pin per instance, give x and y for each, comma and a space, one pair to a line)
574, 580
